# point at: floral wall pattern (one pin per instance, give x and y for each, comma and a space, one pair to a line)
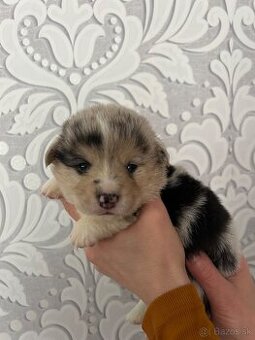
187, 65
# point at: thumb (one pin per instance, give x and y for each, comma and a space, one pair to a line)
210, 279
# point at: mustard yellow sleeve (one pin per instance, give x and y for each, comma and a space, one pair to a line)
178, 315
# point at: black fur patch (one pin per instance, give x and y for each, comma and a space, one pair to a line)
211, 221
170, 171
140, 142
224, 259
127, 130
94, 139
67, 158
90, 136
181, 196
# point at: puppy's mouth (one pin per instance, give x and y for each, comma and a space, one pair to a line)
110, 212
118, 210
103, 212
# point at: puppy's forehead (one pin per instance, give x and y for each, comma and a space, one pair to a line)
108, 126
127, 128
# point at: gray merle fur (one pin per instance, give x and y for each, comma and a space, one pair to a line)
211, 223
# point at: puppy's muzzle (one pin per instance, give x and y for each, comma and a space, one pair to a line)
107, 200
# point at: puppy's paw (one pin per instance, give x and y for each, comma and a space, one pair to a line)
136, 314
51, 189
80, 241
81, 237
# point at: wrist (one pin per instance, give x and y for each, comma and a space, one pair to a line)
163, 285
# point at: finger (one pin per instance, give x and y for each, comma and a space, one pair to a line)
153, 211
153, 206
94, 256
70, 208
92, 253
208, 276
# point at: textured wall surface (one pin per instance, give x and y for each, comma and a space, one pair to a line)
188, 66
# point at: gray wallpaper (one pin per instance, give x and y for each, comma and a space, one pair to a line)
187, 65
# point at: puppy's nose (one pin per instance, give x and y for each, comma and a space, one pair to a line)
108, 200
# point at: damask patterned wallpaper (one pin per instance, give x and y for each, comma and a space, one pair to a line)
187, 65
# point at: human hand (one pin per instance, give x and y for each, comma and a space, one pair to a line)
147, 257
232, 300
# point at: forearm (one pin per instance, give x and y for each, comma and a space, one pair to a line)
178, 314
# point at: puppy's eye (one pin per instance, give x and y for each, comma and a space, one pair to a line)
82, 167
131, 168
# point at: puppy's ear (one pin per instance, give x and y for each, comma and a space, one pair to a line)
161, 153
52, 152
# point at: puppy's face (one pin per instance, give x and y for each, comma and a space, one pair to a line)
107, 160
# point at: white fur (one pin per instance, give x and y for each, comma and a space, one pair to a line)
188, 217
174, 179
230, 238
51, 189
90, 229
136, 314
103, 125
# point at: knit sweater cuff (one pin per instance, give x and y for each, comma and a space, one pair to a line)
181, 301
